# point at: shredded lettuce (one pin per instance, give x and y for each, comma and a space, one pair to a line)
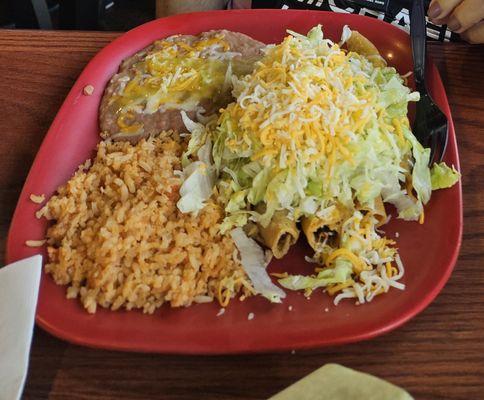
442, 176
198, 176
421, 172
196, 188
198, 135
254, 263
296, 170
345, 35
328, 276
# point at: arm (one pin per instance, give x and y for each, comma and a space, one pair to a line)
170, 7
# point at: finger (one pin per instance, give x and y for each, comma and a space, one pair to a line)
465, 15
474, 34
439, 9
440, 21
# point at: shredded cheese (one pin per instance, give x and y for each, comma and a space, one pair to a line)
177, 73
336, 288
345, 253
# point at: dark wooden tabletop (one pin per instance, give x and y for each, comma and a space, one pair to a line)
437, 355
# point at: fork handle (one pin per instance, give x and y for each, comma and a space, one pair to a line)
418, 37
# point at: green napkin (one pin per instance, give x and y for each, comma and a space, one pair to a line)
335, 382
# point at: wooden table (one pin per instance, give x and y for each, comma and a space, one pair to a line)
437, 355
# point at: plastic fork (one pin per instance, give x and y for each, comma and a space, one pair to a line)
431, 125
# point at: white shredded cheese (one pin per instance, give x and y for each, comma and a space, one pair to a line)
221, 312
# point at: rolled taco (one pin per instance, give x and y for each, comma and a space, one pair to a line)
251, 229
380, 213
280, 234
378, 210
361, 45
316, 230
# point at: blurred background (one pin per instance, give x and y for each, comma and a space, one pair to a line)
122, 15
110, 15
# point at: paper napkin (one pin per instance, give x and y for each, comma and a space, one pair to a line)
19, 288
335, 382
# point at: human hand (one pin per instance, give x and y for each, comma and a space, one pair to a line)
465, 17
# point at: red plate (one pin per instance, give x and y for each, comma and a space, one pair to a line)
429, 251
